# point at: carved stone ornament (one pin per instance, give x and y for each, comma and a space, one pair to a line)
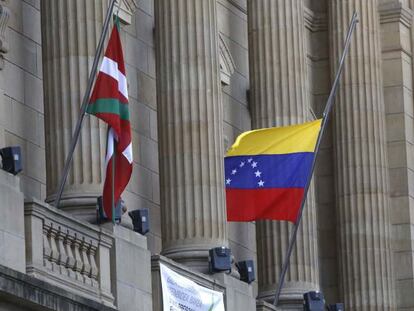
126, 10
4, 20
226, 62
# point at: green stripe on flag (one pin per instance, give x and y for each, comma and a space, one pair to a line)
109, 105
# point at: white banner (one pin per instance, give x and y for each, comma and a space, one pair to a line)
180, 293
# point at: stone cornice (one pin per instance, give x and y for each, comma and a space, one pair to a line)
315, 22
395, 13
32, 292
126, 10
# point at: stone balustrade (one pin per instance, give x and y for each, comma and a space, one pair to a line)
68, 252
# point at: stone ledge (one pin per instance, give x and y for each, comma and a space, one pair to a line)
34, 293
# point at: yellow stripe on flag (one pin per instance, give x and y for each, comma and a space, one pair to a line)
277, 140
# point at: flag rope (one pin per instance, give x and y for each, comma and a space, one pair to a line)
326, 113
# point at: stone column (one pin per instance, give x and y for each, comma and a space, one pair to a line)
190, 130
70, 34
278, 79
366, 280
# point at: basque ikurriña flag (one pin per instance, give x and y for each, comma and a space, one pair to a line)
109, 102
266, 171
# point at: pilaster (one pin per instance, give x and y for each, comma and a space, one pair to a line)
70, 34
362, 186
279, 96
190, 123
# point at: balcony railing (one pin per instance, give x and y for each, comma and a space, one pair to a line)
68, 252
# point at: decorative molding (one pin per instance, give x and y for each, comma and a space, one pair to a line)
315, 22
395, 12
4, 20
126, 10
227, 66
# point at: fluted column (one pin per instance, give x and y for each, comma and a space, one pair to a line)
190, 130
366, 281
70, 34
278, 80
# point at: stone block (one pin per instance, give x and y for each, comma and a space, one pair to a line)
147, 90
321, 77
31, 23
398, 99
136, 53
5, 110
397, 154
147, 6
24, 52
399, 127
394, 69
325, 190
151, 62
139, 182
35, 166
403, 264
404, 293
132, 270
232, 25
132, 81
154, 243
238, 88
144, 27
239, 55
140, 117
398, 181
15, 22
324, 163
12, 240
239, 295
34, 3
156, 195
39, 62
153, 125
149, 154
400, 209
33, 92
25, 122
232, 111
12, 81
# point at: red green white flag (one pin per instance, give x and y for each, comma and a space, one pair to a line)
109, 102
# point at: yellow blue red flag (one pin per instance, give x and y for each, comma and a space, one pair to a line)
266, 172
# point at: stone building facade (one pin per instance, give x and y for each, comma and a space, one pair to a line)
199, 73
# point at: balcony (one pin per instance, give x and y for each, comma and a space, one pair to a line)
67, 252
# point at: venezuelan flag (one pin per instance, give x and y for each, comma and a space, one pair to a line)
266, 171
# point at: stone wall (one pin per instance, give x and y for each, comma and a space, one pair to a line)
21, 92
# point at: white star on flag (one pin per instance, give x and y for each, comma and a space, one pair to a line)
258, 173
228, 181
250, 160
233, 172
254, 164
261, 183
242, 164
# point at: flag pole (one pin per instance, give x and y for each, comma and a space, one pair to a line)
328, 108
113, 182
84, 102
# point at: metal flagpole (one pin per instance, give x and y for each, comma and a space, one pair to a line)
84, 102
325, 119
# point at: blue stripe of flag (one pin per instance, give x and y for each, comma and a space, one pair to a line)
275, 171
